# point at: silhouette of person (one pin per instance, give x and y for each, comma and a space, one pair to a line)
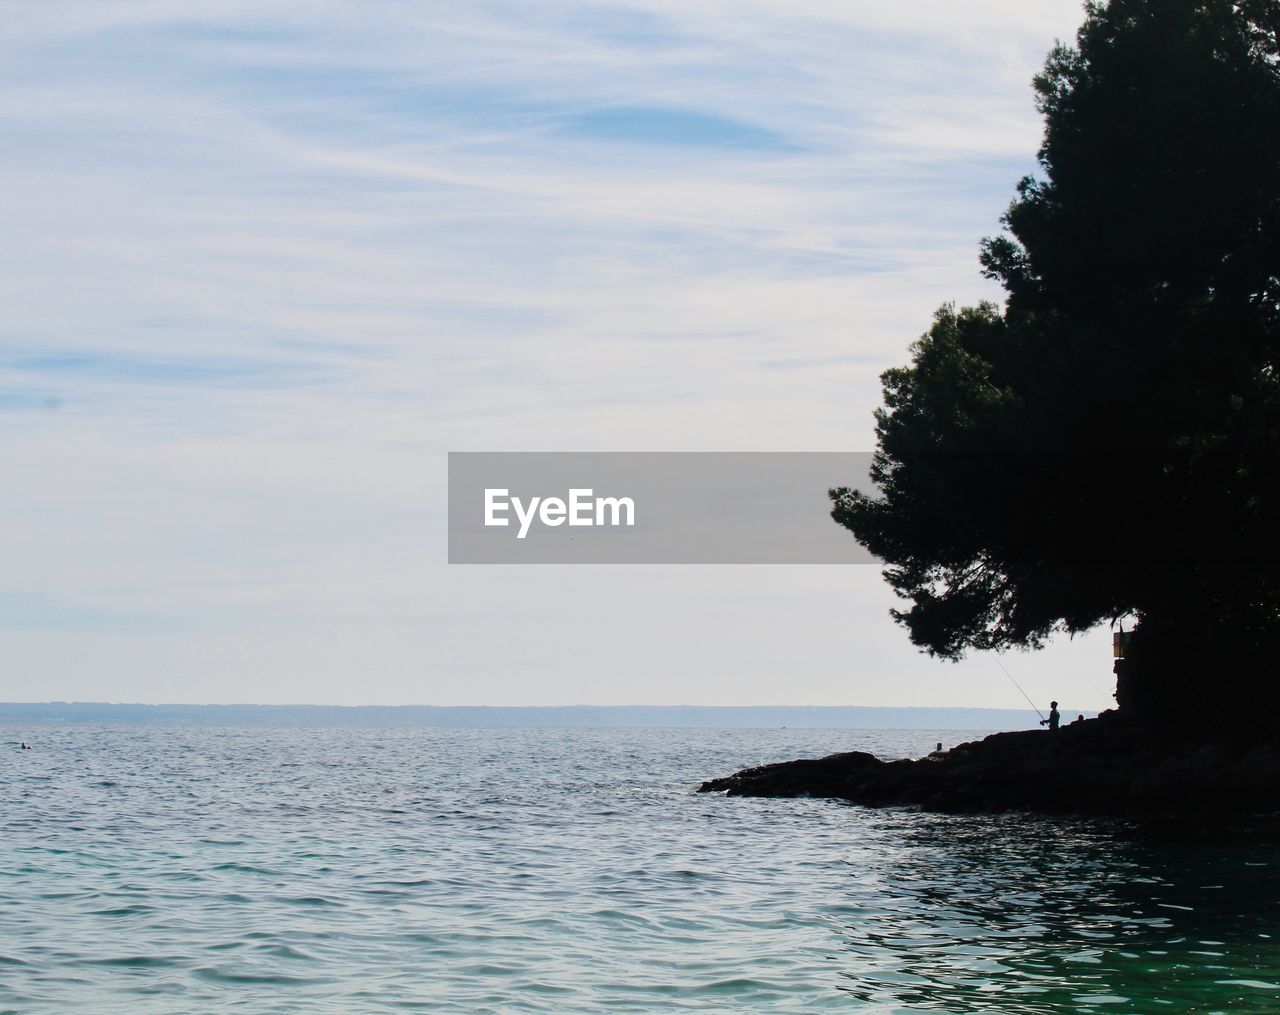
1079, 718
1054, 717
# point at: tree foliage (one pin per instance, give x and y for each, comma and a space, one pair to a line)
1105, 443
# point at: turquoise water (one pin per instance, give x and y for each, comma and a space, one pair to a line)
187, 869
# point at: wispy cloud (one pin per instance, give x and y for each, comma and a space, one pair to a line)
265, 261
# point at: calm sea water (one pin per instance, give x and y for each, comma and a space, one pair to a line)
181, 869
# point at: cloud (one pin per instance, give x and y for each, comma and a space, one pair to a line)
267, 261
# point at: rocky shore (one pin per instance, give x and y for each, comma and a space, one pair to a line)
1103, 766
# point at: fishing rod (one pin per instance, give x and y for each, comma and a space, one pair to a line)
1019, 687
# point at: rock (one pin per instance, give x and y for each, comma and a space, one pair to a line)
1101, 766
829, 776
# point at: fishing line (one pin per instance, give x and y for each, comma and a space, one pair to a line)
1019, 687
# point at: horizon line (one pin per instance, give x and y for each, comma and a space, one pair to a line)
582, 705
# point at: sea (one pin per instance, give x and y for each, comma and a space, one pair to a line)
170, 868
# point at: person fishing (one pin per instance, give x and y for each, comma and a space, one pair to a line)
1054, 717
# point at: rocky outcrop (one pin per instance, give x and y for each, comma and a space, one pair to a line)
1100, 766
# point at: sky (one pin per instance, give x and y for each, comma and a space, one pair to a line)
268, 262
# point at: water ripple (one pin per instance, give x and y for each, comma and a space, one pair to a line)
328, 870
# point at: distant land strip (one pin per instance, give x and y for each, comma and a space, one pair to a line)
481, 716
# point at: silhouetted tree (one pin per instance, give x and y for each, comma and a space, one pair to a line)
1105, 444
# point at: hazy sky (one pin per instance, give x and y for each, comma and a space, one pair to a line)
266, 262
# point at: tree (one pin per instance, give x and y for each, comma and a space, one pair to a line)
1105, 444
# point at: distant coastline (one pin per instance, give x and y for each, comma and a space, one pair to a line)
681, 716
